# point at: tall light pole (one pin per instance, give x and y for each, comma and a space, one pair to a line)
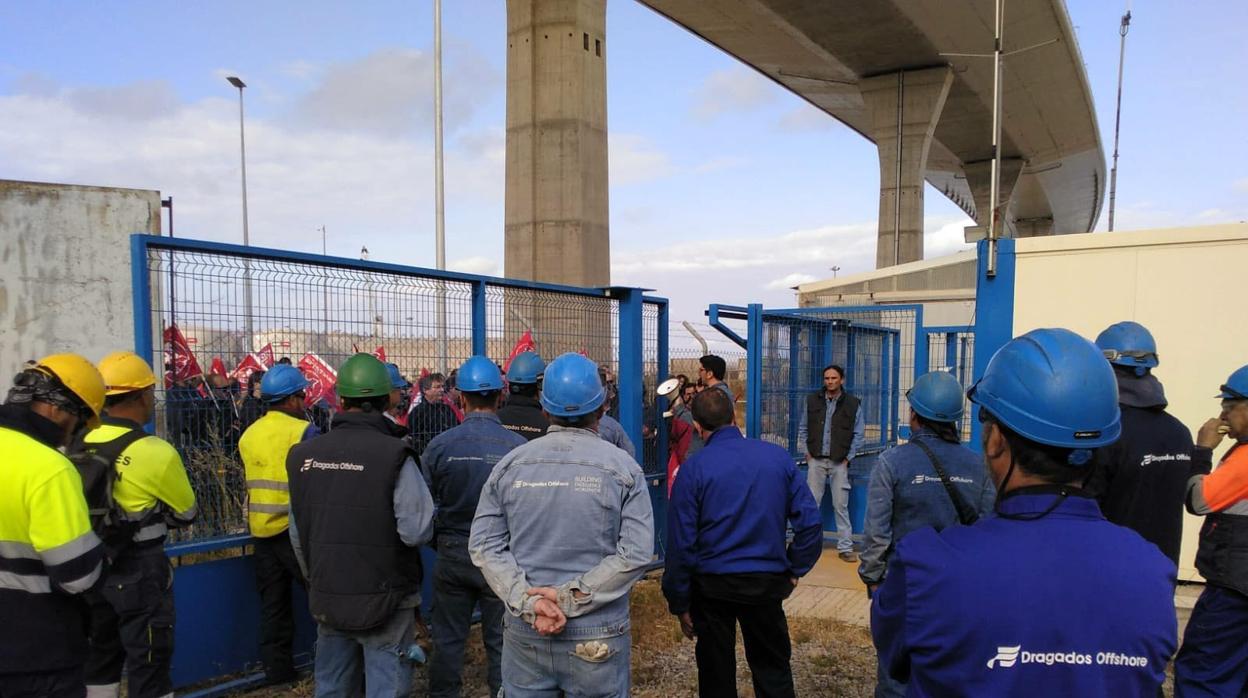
1113, 174
242, 148
439, 193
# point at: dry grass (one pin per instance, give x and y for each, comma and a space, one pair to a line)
829, 658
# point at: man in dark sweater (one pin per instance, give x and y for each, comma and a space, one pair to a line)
1140, 480
431, 416
729, 563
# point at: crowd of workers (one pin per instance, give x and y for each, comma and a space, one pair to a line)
1051, 571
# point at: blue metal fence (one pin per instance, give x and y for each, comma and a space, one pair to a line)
229, 301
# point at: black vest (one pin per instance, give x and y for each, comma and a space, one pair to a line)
523, 415
1222, 557
842, 425
342, 499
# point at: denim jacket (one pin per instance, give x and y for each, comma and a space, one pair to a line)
906, 494
570, 511
456, 465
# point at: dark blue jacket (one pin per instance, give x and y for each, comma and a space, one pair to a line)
456, 464
1064, 605
728, 513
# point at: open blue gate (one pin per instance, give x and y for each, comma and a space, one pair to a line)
882, 348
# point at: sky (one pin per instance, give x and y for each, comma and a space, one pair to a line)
724, 187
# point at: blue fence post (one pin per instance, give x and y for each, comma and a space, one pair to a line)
795, 393
632, 355
754, 371
480, 337
951, 351
895, 398
141, 298
994, 311
921, 348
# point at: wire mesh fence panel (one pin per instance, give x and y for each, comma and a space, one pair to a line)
952, 349
653, 429
220, 316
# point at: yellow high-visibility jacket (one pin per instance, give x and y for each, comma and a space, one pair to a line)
47, 550
264, 447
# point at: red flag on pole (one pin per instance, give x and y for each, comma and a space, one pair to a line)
322, 378
380, 353
218, 367
266, 356
180, 363
249, 365
525, 343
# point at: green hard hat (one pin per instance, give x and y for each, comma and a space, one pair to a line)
363, 375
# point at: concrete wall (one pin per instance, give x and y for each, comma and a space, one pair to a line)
1183, 284
65, 269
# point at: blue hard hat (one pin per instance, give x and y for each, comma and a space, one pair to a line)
280, 382
1128, 344
1053, 387
525, 368
479, 375
570, 387
1236, 387
397, 381
936, 396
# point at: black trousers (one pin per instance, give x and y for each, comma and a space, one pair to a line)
276, 570
65, 683
132, 624
458, 587
719, 603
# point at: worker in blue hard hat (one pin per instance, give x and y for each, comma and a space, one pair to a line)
1046, 597
399, 387
562, 531
456, 464
1141, 478
933, 480
263, 449
1214, 658
523, 413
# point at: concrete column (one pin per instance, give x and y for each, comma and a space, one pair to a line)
979, 180
904, 109
556, 172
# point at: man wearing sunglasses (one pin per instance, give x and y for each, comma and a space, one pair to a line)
264, 447
1140, 480
1214, 658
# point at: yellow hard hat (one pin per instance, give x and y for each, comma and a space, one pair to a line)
125, 372
79, 376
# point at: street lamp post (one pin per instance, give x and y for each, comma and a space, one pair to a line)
439, 191
242, 148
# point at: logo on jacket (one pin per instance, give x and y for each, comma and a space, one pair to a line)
921, 478
1006, 656
312, 463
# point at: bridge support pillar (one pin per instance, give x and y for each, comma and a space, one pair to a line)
904, 107
979, 179
556, 167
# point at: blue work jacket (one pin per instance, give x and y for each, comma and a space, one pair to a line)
728, 512
1064, 605
456, 465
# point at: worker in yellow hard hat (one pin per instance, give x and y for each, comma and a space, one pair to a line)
49, 554
132, 612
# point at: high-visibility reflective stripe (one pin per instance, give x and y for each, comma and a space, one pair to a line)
152, 532
260, 508
139, 515
189, 514
15, 550
30, 583
64, 553
269, 485
84, 582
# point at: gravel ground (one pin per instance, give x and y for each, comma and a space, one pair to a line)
829, 658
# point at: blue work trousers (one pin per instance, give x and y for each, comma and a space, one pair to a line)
458, 587
1213, 660
550, 667
379, 655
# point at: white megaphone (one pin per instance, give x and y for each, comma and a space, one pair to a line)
666, 388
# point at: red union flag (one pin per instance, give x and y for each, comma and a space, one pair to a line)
380, 353
249, 365
218, 367
266, 356
180, 363
525, 343
321, 377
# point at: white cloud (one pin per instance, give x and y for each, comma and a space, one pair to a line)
733, 89
476, 265
634, 159
788, 281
